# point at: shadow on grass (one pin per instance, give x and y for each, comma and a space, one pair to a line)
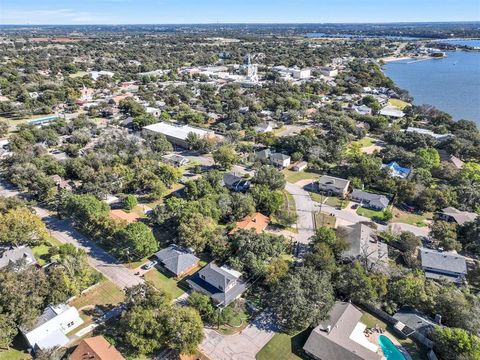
297, 342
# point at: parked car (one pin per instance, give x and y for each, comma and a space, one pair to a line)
150, 265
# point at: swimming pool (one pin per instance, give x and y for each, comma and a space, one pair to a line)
389, 349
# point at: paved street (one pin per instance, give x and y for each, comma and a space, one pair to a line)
305, 208
242, 346
97, 257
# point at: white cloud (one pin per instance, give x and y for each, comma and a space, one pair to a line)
52, 16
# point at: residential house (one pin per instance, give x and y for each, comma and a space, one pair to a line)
415, 321
280, 160
95, 348
175, 159
370, 200
451, 214
333, 185
445, 265
52, 326
396, 170
444, 156
341, 337
263, 155
235, 183
96, 74
256, 221
364, 246
300, 166
264, 127
392, 112
362, 110
178, 134
177, 260
153, 110
10, 256
328, 71
439, 137
222, 284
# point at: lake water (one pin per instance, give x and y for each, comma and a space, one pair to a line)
463, 42
451, 84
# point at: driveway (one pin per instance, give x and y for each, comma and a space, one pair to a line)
398, 228
305, 208
242, 346
98, 258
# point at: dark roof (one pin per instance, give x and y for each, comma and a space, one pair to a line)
414, 320
441, 262
218, 296
377, 200
330, 340
279, 156
230, 179
176, 259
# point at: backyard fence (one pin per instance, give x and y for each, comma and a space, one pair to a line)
416, 336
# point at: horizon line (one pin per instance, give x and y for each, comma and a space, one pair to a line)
252, 23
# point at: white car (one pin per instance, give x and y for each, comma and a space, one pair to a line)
150, 265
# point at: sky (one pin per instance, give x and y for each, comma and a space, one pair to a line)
237, 11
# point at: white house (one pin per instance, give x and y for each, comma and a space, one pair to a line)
176, 134
52, 326
96, 74
280, 160
154, 111
392, 112
328, 71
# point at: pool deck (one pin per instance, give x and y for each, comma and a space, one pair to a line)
374, 339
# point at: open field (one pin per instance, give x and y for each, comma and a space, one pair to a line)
285, 347
370, 213
398, 103
322, 219
410, 218
328, 200
105, 293
294, 176
162, 282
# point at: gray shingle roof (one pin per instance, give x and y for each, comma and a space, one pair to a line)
414, 320
336, 343
218, 276
443, 261
176, 259
377, 200
15, 254
279, 156
460, 217
334, 181
362, 243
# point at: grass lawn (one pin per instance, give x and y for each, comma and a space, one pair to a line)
105, 293
284, 347
136, 264
289, 200
78, 74
162, 282
328, 200
417, 352
40, 250
410, 218
294, 176
370, 213
365, 142
322, 219
13, 354
398, 103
